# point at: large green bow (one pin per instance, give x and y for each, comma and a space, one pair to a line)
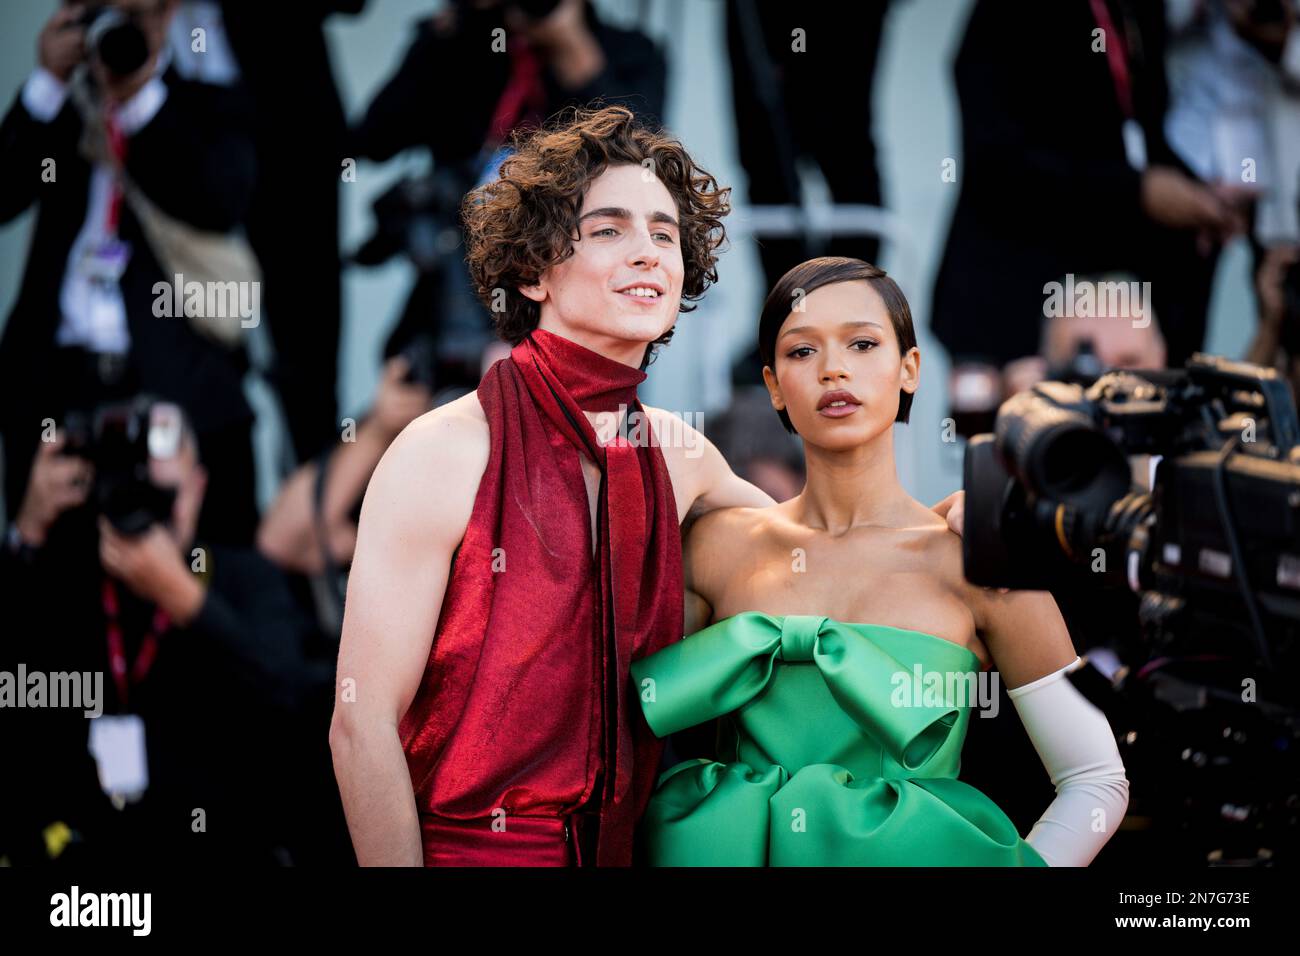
728, 664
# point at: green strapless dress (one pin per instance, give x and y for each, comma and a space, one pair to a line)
826, 761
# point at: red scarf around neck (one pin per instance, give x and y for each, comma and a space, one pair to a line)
530, 656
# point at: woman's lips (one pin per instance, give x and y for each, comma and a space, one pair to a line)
839, 411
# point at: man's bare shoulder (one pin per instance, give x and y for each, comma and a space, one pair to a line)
455, 434
435, 463
680, 441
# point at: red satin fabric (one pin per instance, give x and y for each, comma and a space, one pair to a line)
524, 704
524, 841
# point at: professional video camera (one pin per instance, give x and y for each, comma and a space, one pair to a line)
1217, 538
1205, 705
119, 439
443, 329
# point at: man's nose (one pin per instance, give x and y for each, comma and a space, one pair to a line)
646, 253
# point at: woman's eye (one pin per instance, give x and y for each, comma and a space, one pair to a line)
794, 353
867, 342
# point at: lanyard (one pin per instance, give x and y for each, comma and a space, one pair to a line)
1115, 58
524, 94
117, 147
117, 647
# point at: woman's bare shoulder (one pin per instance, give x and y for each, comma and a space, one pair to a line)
943, 556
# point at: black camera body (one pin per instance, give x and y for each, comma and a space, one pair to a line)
1203, 696
119, 439
1050, 500
115, 38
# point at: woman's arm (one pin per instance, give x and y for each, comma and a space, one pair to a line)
397, 404
287, 532
1033, 652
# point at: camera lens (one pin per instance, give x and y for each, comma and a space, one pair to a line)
117, 41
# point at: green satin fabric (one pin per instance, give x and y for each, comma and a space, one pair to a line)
825, 759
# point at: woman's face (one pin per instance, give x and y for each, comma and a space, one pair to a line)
842, 341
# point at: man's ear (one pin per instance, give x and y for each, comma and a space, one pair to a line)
534, 292
773, 388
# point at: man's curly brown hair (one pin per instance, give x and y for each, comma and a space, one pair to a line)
526, 221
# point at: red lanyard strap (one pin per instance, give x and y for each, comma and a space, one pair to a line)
1115, 57
117, 646
117, 147
524, 94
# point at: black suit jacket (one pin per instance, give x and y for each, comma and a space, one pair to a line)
226, 708
195, 160
1046, 188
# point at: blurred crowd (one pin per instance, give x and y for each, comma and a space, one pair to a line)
185, 181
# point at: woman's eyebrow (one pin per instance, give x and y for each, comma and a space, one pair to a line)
851, 324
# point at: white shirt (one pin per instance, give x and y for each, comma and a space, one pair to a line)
92, 313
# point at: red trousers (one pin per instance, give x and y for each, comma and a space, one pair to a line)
515, 841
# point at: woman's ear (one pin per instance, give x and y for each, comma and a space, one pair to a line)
773, 388
911, 370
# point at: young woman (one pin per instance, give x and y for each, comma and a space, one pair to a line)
845, 642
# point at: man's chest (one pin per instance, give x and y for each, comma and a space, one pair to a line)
678, 478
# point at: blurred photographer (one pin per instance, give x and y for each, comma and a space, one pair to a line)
140, 179
311, 527
202, 645
1276, 343
473, 74
1065, 169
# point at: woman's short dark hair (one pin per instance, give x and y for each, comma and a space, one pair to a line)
807, 277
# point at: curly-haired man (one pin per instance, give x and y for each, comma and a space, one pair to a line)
484, 711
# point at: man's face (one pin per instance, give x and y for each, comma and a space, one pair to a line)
1116, 341
623, 284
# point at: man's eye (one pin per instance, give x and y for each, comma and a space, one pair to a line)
664, 235
608, 229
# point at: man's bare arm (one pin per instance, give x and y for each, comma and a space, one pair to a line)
720, 487
717, 486
413, 518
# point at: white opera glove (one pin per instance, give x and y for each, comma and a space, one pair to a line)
1077, 747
